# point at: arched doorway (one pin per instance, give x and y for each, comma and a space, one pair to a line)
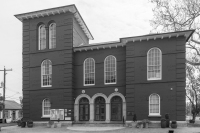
116, 108
84, 109
100, 109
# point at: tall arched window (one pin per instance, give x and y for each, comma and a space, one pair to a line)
41, 37
154, 64
110, 70
154, 104
89, 71
46, 73
52, 35
46, 106
84, 109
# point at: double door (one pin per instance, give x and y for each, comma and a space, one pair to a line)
100, 112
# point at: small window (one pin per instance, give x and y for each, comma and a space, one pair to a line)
110, 70
52, 35
89, 71
154, 64
41, 37
154, 105
46, 106
46, 73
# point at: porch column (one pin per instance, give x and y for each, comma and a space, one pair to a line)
108, 112
124, 110
76, 112
91, 112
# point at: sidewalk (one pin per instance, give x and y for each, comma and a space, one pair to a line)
16, 129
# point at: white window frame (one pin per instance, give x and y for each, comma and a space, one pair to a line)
52, 35
160, 54
43, 73
89, 72
154, 114
43, 106
42, 46
115, 70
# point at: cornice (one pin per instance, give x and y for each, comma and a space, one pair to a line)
54, 11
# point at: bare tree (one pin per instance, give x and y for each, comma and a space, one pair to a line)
178, 15
192, 88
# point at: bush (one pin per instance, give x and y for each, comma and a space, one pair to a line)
163, 123
30, 123
173, 124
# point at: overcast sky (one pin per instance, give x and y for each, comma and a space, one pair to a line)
107, 20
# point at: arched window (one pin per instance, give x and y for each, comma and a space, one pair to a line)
89, 71
46, 106
154, 64
154, 104
110, 70
46, 73
52, 35
41, 37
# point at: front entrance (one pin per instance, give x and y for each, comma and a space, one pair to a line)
100, 113
116, 108
84, 109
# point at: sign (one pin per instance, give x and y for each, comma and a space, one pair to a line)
57, 114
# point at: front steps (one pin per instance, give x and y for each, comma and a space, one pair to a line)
98, 124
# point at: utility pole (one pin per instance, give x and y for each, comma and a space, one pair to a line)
4, 92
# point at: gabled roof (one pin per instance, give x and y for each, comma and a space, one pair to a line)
58, 10
123, 41
9, 105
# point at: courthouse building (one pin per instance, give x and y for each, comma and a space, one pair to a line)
64, 73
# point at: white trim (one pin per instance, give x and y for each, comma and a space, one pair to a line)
45, 116
76, 105
50, 67
99, 95
154, 114
84, 72
52, 46
160, 54
114, 68
39, 38
123, 103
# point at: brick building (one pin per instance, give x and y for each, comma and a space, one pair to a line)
142, 75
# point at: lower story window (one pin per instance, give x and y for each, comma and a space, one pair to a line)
154, 104
46, 108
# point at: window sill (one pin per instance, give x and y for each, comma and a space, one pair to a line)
154, 115
109, 83
89, 85
47, 86
45, 117
154, 79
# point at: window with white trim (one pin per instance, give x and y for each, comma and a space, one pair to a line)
154, 64
154, 105
46, 73
110, 70
41, 37
46, 106
52, 35
89, 71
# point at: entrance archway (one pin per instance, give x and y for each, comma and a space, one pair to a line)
100, 109
116, 108
84, 109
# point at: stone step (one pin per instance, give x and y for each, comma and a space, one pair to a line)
97, 125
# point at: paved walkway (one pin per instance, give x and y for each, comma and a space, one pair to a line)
40, 129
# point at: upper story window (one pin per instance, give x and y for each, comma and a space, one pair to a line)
41, 37
110, 70
89, 71
154, 105
52, 35
46, 106
154, 64
46, 73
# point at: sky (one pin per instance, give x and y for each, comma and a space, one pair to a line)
107, 20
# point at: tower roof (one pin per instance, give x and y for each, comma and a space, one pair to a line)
54, 11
